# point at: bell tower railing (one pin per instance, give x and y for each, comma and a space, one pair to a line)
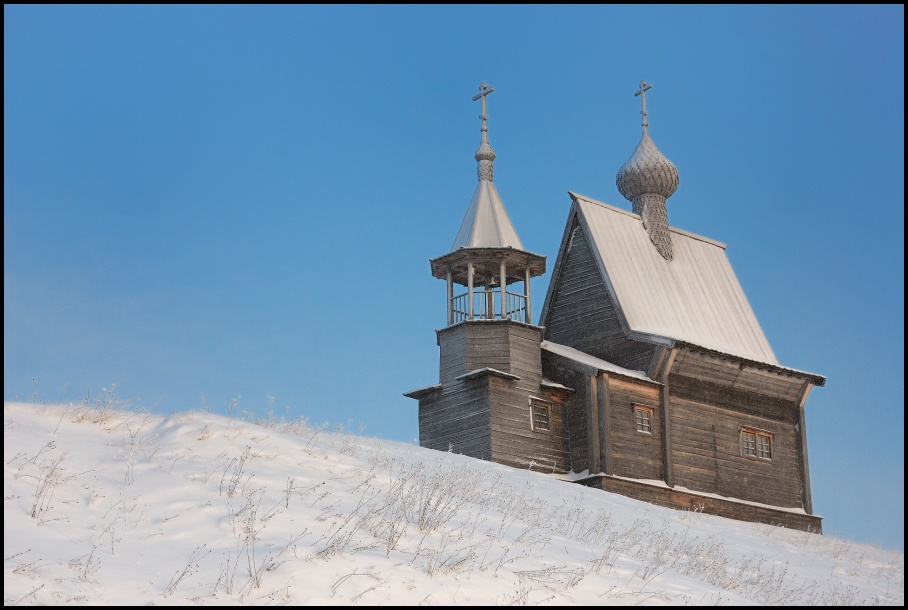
487, 306
497, 282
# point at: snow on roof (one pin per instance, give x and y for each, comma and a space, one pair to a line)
486, 371
555, 385
420, 392
695, 297
597, 363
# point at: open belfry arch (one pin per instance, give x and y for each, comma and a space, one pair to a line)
487, 255
648, 374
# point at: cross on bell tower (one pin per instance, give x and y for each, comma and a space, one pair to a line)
487, 254
484, 90
490, 354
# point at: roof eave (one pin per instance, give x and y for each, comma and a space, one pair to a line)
813, 378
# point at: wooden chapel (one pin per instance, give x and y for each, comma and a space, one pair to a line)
647, 375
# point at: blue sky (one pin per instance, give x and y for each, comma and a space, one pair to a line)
202, 203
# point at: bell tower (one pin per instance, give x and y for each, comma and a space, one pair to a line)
487, 255
490, 373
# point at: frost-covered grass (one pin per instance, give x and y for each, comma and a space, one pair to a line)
111, 505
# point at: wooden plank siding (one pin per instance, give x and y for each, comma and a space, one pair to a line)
737, 375
692, 501
581, 313
634, 454
505, 345
748, 403
576, 411
706, 443
514, 442
503, 431
452, 345
457, 419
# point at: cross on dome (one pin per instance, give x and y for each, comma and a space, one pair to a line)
644, 87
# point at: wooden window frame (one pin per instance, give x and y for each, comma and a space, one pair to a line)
538, 403
760, 445
651, 420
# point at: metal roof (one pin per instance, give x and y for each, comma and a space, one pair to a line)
695, 297
486, 223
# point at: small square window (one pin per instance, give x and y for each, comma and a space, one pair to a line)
756, 444
643, 420
541, 416
763, 446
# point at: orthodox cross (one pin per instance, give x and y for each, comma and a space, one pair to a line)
484, 90
644, 87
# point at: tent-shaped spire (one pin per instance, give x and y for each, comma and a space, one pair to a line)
486, 223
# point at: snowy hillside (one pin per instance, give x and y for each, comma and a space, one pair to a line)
111, 506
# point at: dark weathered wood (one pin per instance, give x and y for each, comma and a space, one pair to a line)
575, 414
750, 403
684, 500
668, 458
745, 363
470, 276
737, 374
707, 454
592, 430
804, 471
634, 454
513, 438
457, 419
450, 282
581, 314
453, 355
502, 357
526, 287
603, 405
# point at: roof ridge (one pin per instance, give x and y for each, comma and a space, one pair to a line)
609, 206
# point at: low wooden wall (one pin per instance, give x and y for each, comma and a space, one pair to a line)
683, 500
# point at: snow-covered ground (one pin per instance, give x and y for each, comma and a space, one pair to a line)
104, 505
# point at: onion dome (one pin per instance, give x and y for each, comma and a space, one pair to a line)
647, 172
647, 179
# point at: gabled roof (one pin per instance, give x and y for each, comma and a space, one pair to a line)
695, 298
486, 223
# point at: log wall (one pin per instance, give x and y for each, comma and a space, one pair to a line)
706, 443
634, 454
456, 418
581, 313
682, 500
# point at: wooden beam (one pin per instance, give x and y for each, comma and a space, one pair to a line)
806, 502
503, 280
654, 370
604, 404
526, 286
593, 438
470, 286
667, 455
450, 279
